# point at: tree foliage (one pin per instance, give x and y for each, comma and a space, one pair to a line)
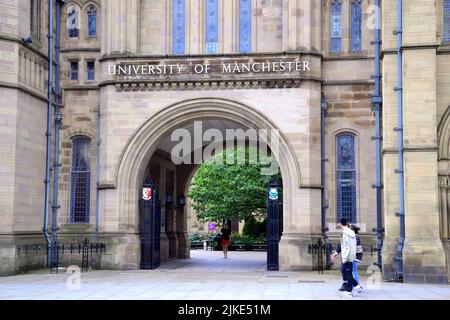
223, 191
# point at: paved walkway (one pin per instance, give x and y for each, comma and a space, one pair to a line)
205, 276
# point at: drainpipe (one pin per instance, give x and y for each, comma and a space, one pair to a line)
49, 130
324, 106
399, 129
58, 119
97, 205
377, 101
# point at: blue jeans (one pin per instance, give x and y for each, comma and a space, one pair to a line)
355, 272
349, 282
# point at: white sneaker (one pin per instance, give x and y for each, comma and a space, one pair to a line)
347, 294
357, 289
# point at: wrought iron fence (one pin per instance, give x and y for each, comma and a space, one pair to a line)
319, 252
85, 250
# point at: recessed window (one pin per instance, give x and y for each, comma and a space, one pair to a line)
80, 184
92, 22
73, 21
179, 27
90, 70
212, 26
74, 70
336, 26
35, 18
245, 26
346, 177
356, 25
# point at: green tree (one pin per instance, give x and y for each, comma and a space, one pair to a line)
221, 191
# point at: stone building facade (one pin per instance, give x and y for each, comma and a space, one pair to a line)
120, 126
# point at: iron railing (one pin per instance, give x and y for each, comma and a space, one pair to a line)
86, 250
319, 251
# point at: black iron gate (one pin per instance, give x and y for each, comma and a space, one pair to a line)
150, 225
273, 224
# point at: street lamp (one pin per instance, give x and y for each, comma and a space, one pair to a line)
181, 201
169, 200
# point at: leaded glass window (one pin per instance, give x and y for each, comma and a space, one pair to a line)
80, 180
245, 26
179, 27
74, 70
212, 25
92, 22
336, 26
346, 177
356, 25
73, 22
447, 21
90, 70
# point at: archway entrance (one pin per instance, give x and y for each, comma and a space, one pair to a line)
229, 181
152, 141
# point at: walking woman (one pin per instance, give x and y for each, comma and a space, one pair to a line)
225, 235
357, 261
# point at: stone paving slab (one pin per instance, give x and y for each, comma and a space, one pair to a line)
206, 276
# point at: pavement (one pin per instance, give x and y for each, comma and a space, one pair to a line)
206, 275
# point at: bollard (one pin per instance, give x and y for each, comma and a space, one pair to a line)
204, 245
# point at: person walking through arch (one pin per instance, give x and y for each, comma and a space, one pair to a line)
225, 236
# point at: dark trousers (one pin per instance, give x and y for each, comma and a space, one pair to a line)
347, 275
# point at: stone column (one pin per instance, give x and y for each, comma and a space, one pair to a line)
424, 257
423, 254
171, 216
345, 25
132, 25
291, 26
162, 197
389, 153
303, 223
228, 16
181, 213
194, 27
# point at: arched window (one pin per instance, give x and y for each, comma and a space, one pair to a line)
212, 25
336, 26
356, 25
92, 22
73, 21
179, 27
446, 21
80, 184
346, 177
245, 26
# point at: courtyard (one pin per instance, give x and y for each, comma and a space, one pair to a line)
206, 276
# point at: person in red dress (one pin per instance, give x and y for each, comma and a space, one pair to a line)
225, 235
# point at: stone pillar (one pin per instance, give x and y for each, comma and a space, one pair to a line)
162, 197
389, 153
132, 25
423, 254
120, 26
194, 29
182, 235
171, 216
302, 25
302, 223
228, 17
424, 257
345, 25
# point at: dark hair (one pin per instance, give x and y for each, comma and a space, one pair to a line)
343, 222
355, 228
